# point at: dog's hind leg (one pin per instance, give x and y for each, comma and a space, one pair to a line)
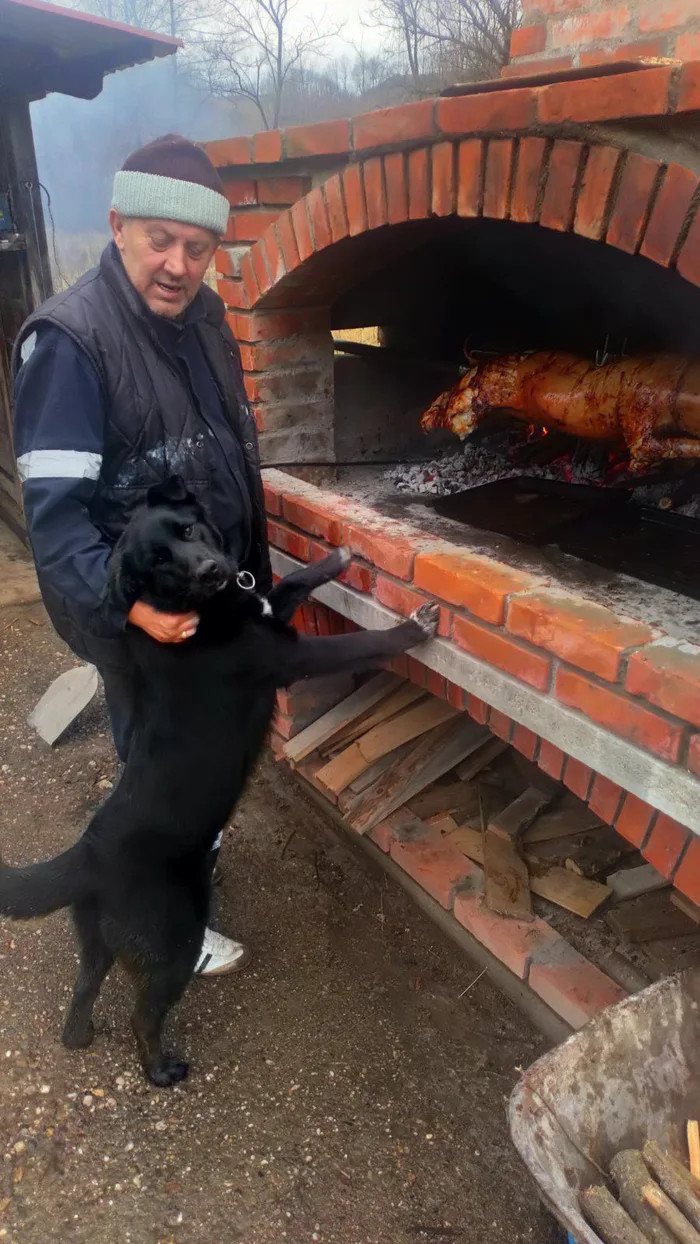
285, 597
95, 961
157, 994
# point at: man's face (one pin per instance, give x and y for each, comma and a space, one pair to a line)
164, 260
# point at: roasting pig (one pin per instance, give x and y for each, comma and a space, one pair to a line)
649, 404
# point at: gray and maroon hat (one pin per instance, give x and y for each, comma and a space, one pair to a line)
172, 179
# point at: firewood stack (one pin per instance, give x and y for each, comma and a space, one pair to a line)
658, 1199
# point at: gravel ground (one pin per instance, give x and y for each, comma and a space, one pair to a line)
341, 1090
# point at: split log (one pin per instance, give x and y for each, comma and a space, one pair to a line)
669, 1214
675, 1179
632, 1178
519, 815
611, 1221
507, 884
694, 1147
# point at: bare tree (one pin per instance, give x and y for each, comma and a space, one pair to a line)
257, 47
172, 17
406, 20
474, 35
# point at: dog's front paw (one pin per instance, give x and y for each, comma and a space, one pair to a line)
427, 619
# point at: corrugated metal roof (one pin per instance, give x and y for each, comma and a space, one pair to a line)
45, 47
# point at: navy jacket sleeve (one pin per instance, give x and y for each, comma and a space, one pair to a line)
59, 433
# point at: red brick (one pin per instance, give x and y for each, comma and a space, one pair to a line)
227, 152
689, 258
667, 14
525, 741
639, 94
474, 583
551, 759
605, 799
596, 186
276, 744
526, 184
574, 988
444, 190
585, 634
250, 226
501, 724
268, 326
558, 202
355, 199
469, 157
417, 672
689, 88
288, 242
374, 192
694, 755
256, 259
436, 867
241, 192
387, 831
670, 209
496, 110
237, 294
456, 696
282, 354
314, 517
550, 64
499, 164
402, 600
282, 190
273, 254
267, 147
273, 498
437, 685
688, 46
335, 204
668, 675
687, 879
382, 547
323, 138
270, 386
633, 202
666, 844
418, 184
640, 49
634, 820
396, 188
356, 576
578, 777
514, 942
620, 715
226, 263
318, 216
387, 127
291, 541
589, 28
302, 230
497, 650
478, 710
528, 40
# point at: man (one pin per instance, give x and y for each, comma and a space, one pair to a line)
130, 376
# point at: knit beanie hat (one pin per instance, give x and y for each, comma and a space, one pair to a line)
172, 179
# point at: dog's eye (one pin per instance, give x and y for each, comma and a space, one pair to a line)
187, 533
162, 555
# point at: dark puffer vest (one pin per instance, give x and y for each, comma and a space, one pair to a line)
154, 429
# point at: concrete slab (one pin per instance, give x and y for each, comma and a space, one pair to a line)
18, 583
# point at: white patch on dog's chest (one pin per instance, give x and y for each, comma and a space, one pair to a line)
266, 607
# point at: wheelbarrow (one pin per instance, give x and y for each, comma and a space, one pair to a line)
631, 1074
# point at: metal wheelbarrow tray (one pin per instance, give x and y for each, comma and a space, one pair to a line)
632, 1074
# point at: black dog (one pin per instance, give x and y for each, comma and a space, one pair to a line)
138, 880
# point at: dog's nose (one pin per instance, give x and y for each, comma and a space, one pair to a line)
208, 571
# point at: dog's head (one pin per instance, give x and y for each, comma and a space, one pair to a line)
170, 555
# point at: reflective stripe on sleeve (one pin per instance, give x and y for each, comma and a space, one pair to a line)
59, 464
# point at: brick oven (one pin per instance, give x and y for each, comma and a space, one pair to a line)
555, 210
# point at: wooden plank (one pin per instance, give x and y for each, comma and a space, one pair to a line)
393, 704
519, 815
506, 880
452, 797
630, 883
381, 740
570, 817
370, 776
364, 698
491, 750
565, 889
648, 919
431, 756
590, 855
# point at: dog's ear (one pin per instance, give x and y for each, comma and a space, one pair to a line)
172, 491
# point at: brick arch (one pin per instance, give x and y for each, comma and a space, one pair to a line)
602, 193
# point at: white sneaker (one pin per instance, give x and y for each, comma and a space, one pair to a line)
220, 955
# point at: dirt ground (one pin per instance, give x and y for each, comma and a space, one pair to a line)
348, 1088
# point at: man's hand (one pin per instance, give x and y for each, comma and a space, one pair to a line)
167, 628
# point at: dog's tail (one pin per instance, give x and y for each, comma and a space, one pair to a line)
38, 889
